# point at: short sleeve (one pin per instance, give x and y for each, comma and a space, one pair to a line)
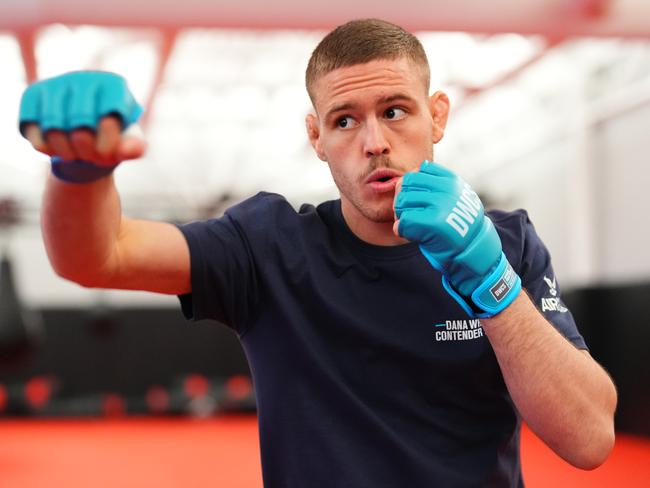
532, 260
223, 272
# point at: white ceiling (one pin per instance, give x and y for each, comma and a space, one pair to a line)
226, 116
225, 107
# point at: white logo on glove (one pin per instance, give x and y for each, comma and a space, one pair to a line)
465, 212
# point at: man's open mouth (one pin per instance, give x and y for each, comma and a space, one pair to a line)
382, 175
382, 180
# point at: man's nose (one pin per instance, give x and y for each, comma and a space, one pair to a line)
375, 142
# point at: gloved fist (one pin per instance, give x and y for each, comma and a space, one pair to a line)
78, 118
441, 212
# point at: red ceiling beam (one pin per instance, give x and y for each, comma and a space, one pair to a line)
164, 52
583, 9
588, 9
544, 17
27, 41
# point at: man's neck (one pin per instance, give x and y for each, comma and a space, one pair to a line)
377, 233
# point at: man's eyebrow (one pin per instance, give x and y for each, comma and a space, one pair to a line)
396, 97
348, 105
339, 108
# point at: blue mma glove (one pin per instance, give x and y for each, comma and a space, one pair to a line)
73, 101
445, 216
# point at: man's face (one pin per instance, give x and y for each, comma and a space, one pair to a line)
374, 123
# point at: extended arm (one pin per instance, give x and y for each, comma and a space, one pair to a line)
89, 241
78, 118
566, 398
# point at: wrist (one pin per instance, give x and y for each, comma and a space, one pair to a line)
79, 172
495, 292
499, 289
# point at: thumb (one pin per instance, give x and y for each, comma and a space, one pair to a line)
131, 148
132, 144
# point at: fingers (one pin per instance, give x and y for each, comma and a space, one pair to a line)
418, 181
115, 98
413, 190
35, 137
398, 185
106, 148
58, 141
109, 133
131, 147
415, 224
435, 169
81, 116
414, 199
398, 189
396, 228
83, 144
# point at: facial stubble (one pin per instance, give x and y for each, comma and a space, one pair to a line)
379, 210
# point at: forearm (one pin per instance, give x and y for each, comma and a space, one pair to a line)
86, 237
81, 225
566, 398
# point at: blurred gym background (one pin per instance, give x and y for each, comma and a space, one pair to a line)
550, 112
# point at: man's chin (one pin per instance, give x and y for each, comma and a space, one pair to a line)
377, 210
381, 216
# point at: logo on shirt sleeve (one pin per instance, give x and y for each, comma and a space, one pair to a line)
552, 303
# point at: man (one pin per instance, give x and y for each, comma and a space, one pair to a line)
388, 334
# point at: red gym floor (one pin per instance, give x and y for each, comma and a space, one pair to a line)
223, 452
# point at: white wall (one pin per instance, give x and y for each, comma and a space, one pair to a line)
588, 194
573, 150
624, 196
39, 286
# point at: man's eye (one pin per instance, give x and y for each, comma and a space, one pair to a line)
395, 113
345, 122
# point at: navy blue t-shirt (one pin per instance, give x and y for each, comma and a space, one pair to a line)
367, 373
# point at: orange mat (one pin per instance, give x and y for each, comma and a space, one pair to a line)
627, 466
138, 453
222, 452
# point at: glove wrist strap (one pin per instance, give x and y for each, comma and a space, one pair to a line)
493, 295
78, 171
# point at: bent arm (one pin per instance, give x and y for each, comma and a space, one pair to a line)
566, 398
88, 241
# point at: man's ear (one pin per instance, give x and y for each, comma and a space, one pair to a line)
313, 132
439, 107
